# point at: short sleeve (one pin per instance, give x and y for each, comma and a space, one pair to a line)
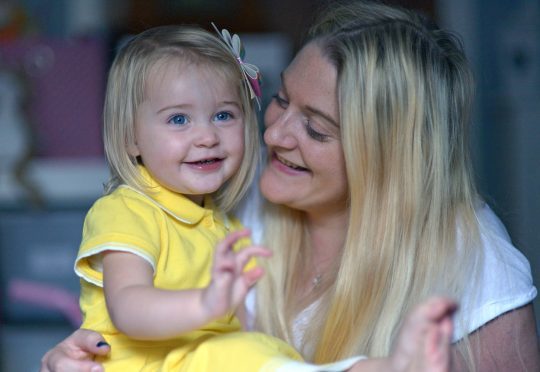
506, 280
118, 222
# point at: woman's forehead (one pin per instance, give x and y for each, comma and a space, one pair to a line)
311, 80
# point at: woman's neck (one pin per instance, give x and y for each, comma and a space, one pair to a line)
327, 235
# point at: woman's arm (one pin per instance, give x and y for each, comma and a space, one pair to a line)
76, 353
142, 311
507, 343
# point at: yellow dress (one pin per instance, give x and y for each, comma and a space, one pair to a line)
177, 238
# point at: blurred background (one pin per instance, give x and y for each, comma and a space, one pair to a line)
54, 56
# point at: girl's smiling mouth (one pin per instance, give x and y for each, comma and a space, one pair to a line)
206, 164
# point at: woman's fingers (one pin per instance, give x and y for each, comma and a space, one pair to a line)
95, 343
76, 353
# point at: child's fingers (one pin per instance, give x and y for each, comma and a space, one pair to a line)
243, 283
230, 240
436, 350
442, 308
225, 262
252, 276
438, 345
246, 254
434, 310
447, 329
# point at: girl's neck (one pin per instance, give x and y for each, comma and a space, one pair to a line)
197, 199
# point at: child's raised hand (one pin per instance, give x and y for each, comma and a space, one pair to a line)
424, 341
230, 283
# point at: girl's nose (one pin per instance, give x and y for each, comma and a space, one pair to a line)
207, 136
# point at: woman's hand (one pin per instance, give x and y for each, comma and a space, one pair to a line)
76, 353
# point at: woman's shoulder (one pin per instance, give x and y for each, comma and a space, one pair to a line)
499, 252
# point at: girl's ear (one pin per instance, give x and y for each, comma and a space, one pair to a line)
133, 149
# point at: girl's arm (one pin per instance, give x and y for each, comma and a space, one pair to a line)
142, 311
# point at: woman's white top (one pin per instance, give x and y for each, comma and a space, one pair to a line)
506, 282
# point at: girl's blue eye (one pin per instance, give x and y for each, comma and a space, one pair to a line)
222, 116
178, 119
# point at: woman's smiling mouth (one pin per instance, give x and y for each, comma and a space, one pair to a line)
288, 163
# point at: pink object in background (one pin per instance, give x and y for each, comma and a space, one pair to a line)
46, 296
66, 81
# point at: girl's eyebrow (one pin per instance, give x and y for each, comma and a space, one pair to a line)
232, 103
174, 107
309, 108
187, 105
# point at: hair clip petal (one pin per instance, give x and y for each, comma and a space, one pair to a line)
226, 36
252, 75
237, 46
251, 70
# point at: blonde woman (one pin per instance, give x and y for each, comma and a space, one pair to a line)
371, 204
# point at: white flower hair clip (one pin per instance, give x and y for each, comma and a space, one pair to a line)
252, 76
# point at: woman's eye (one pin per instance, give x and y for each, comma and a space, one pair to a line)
316, 135
280, 101
178, 119
222, 116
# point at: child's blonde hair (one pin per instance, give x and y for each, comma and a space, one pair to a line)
126, 91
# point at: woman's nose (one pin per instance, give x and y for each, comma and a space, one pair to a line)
280, 130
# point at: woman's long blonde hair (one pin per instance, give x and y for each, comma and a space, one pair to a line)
126, 85
404, 94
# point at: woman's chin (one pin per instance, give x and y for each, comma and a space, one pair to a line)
272, 190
